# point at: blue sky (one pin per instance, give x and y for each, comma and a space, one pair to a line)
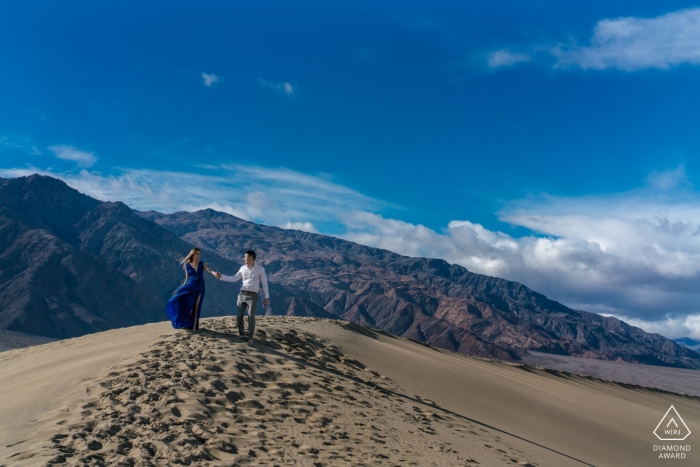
551, 142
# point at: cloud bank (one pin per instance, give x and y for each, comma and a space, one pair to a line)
634, 255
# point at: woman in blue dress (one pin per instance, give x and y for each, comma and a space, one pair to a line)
184, 307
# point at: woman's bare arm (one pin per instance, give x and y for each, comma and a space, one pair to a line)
210, 271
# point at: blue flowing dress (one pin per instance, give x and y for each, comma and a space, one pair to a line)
182, 308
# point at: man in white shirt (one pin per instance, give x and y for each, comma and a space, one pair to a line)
252, 275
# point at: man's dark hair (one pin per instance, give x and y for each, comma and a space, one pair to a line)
251, 253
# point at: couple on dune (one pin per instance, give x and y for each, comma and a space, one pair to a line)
184, 307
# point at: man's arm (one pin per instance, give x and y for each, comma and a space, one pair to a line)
266, 292
234, 278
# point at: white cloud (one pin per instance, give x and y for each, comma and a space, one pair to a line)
285, 88
628, 44
280, 197
673, 328
638, 43
305, 226
70, 153
505, 57
209, 79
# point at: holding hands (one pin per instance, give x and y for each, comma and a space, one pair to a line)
252, 277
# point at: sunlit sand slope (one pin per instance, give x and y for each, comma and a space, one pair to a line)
593, 421
310, 392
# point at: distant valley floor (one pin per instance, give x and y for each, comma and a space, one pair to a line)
678, 380
10, 340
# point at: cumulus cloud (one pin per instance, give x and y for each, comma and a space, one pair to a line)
638, 43
686, 326
70, 153
210, 79
285, 88
305, 226
505, 57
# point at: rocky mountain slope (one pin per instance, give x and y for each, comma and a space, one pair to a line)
424, 299
70, 264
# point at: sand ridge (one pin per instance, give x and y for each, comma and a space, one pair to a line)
209, 398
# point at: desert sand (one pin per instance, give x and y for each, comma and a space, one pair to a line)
313, 392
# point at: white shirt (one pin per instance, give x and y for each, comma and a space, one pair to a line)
251, 279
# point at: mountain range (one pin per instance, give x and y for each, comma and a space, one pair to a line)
71, 265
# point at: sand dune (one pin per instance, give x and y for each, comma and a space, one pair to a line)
311, 392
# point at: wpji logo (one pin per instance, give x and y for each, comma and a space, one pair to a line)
672, 427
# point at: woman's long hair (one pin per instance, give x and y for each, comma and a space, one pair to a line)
190, 255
